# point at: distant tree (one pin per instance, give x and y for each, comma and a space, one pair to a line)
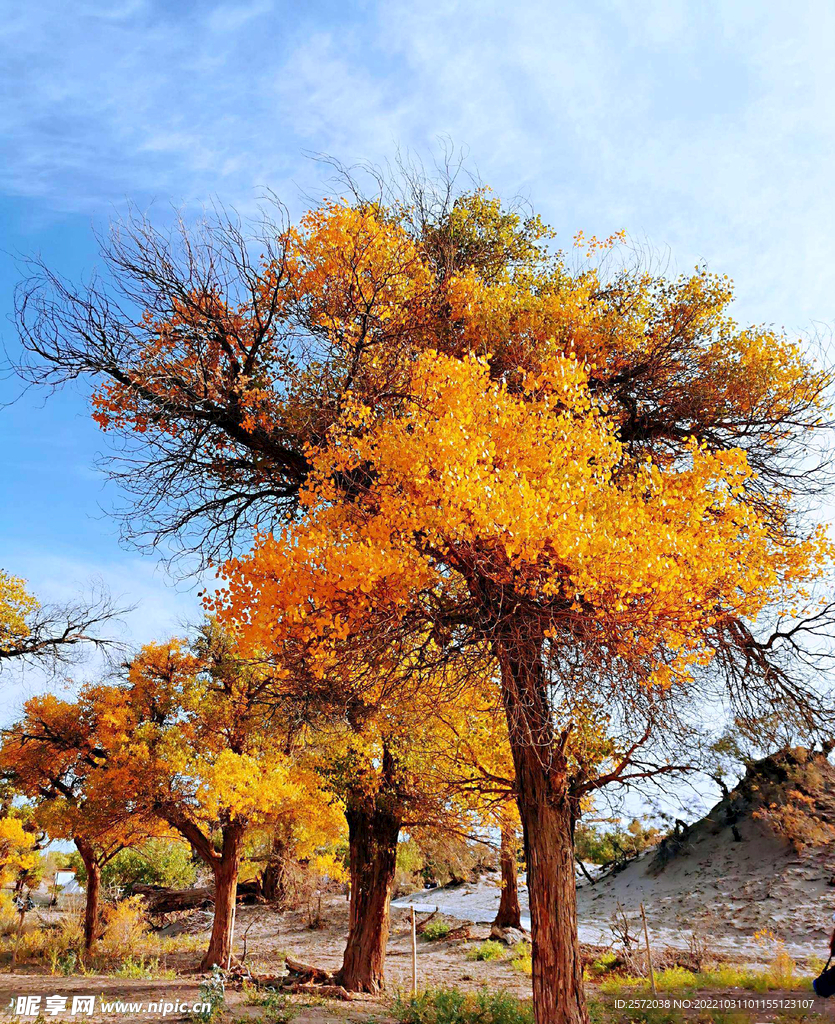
18, 853
193, 746
52, 757
164, 862
614, 844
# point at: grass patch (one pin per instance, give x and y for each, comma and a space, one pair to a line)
139, 967
277, 1007
490, 949
723, 976
452, 1006
605, 963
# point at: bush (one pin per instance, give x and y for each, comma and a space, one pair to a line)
490, 949
522, 958
125, 927
603, 964
51, 944
436, 930
212, 994
452, 1006
675, 978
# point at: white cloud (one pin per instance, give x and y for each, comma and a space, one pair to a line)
710, 127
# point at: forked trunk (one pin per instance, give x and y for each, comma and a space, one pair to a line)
226, 888
373, 829
548, 814
93, 890
509, 915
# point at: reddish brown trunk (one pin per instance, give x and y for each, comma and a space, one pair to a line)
509, 915
373, 829
226, 887
93, 889
548, 814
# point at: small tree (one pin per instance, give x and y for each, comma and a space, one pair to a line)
52, 758
194, 747
18, 854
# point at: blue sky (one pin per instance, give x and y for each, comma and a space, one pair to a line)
706, 129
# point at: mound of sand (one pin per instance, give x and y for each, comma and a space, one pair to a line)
762, 859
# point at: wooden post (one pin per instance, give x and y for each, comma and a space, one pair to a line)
232, 933
414, 955
22, 914
649, 952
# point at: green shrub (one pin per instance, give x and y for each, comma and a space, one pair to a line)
436, 930
603, 964
490, 949
674, 979
522, 958
212, 993
164, 862
452, 1006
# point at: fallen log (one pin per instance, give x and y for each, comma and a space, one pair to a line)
307, 972
162, 900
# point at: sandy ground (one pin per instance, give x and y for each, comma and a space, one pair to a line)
270, 935
725, 890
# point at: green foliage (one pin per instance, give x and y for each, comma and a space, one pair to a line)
436, 930
614, 845
65, 963
277, 1007
603, 964
452, 1006
409, 857
522, 958
490, 949
213, 994
724, 976
157, 862
411, 866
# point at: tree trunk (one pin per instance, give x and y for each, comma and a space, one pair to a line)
226, 886
373, 829
93, 889
509, 915
548, 812
274, 875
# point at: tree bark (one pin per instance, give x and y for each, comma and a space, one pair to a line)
225, 871
509, 914
93, 890
548, 812
274, 875
374, 823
